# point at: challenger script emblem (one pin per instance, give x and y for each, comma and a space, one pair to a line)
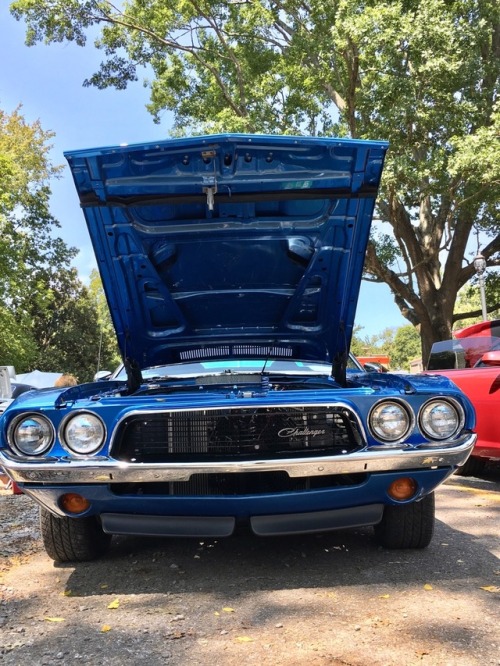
297, 432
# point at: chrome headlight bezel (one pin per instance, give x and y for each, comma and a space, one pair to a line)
402, 433
67, 441
448, 402
47, 439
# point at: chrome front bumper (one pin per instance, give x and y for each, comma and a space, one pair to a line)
104, 470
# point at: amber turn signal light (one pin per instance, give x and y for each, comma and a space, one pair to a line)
402, 489
73, 503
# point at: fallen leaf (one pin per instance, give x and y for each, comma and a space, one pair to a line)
54, 619
217, 613
103, 586
105, 628
67, 593
384, 596
243, 639
114, 604
428, 587
491, 588
227, 609
178, 634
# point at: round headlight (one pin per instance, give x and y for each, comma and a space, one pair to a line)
389, 421
439, 419
83, 433
32, 435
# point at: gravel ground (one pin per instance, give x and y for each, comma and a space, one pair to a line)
333, 599
20, 529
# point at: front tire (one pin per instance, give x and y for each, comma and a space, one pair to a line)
407, 525
72, 539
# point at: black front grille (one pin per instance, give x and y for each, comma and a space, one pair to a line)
237, 434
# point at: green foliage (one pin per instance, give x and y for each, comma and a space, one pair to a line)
27, 245
469, 300
405, 348
479, 153
47, 319
385, 247
402, 345
380, 343
64, 325
357, 342
17, 344
109, 354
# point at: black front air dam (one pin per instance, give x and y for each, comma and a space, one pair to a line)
168, 526
317, 521
222, 526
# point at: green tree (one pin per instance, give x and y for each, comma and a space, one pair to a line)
109, 354
65, 325
405, 348
478, 154
423, 74
17, 344
379, 343
469, 299
48, 319
27, 242
29, 250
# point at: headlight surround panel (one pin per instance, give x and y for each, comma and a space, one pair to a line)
441, 418
397, 422
391, 421
82, 433
31, 434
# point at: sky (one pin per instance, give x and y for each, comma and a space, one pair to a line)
48, 82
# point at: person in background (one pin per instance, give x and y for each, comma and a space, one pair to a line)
66, 380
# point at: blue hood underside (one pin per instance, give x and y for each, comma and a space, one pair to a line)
231, 246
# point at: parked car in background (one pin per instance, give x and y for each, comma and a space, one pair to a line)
374, 363
12, 390
232, 266
472, 362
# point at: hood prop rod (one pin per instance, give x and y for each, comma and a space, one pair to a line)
134, 375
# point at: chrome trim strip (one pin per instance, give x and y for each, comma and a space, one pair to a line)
104, 470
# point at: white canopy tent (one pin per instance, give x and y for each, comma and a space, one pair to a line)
38, 379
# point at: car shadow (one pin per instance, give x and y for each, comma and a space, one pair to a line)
249, 563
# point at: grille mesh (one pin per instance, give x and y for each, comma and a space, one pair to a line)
237, 434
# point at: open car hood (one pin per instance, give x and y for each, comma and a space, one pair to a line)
231, 246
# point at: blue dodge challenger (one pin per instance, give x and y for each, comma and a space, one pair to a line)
232, 266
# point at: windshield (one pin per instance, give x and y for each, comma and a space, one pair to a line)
463, 353
256, 366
